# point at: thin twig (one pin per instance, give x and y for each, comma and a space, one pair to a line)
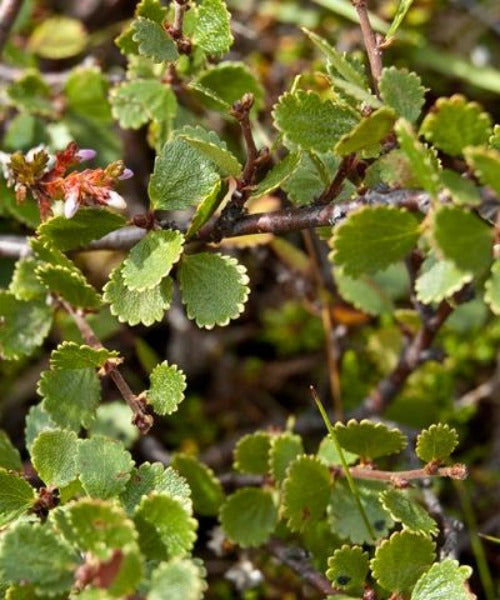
331, 347
241, 112
142, 420
370, 41
298, 560
412, 356
176, 30
399, 478
337, 184
9, 9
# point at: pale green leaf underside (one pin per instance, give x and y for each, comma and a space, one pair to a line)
53, 455
278, 175
153, 41
368, 132
167, 388
404, 509
88, 224
151, 259
134, 307
343, 514
442, 581
179, 579
9, 454
439, 279
371, 239
134, 103
213, 148
212, 32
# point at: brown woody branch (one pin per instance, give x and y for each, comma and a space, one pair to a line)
9, 9
371, 44
298, 560
415, 353
277, 222
142, 420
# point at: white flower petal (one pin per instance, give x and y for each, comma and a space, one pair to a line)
116, 201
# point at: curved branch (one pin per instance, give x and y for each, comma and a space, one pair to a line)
9, 9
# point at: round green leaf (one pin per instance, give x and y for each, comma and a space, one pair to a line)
58, 37
402, 91
104, 466
165, 528
404, 509
485, 162
24, 283
344, 518
9, 455
454, 123
206, 489
70, 355
172, 184
367, 133
249, 517
134, 307
251, 454
166, 392
443, 580
34, 554
88, 224
439, 279
53, 456
71, 396
373, 238
213, 288
284, 449
348, 568
369, 440
69, 285
151, 259
436, 443
212, 32
306, 492
179, 579
492, 289
24, 325
310, 122
464, 238
99, 527
401, 560
16, 496
153, 41
156, 478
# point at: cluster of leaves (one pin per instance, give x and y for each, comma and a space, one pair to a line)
107, 524
103, 527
